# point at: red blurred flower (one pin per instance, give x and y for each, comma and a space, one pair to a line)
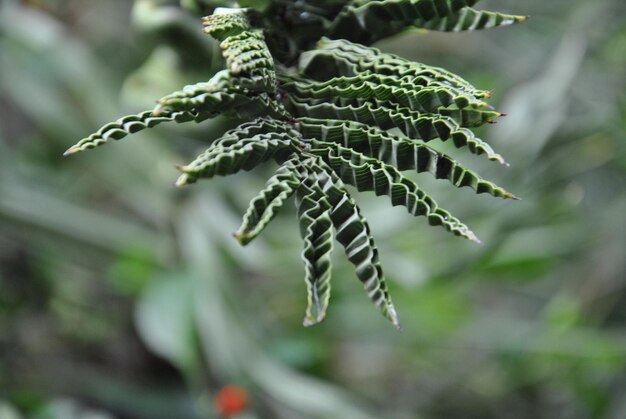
230, 400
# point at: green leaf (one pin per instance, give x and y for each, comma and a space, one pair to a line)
471, 116
400, 152
327, 120
131, 124
353, 232
367, 21
316, 230
242, 148
425, 127
368, 174
247, 53
340, 57
264, 206
226, 22
223, 94
420, 94
468, 19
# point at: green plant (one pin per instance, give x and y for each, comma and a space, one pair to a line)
332, 112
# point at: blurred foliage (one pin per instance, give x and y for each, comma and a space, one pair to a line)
121, 297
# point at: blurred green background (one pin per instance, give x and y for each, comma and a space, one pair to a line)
123, 297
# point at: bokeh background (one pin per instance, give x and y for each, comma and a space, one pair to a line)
123, 297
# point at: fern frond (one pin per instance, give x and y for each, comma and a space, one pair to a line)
264, 206
353, 232
402, 153
316, 229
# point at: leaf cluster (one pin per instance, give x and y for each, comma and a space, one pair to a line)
332, 111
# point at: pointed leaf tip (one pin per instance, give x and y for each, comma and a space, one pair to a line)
500, 159
242, 238
181, 181
393, 316
473, 237
310, 321
70, 151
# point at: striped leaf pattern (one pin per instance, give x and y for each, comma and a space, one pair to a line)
242, 154
399, 152
344, 58
316, 229
332, 114
469, 19
129, 125
265, 205
366, 21
368, 174
412, 124
353, 232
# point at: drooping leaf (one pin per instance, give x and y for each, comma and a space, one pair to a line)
264, 206
353, 232
317, 234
